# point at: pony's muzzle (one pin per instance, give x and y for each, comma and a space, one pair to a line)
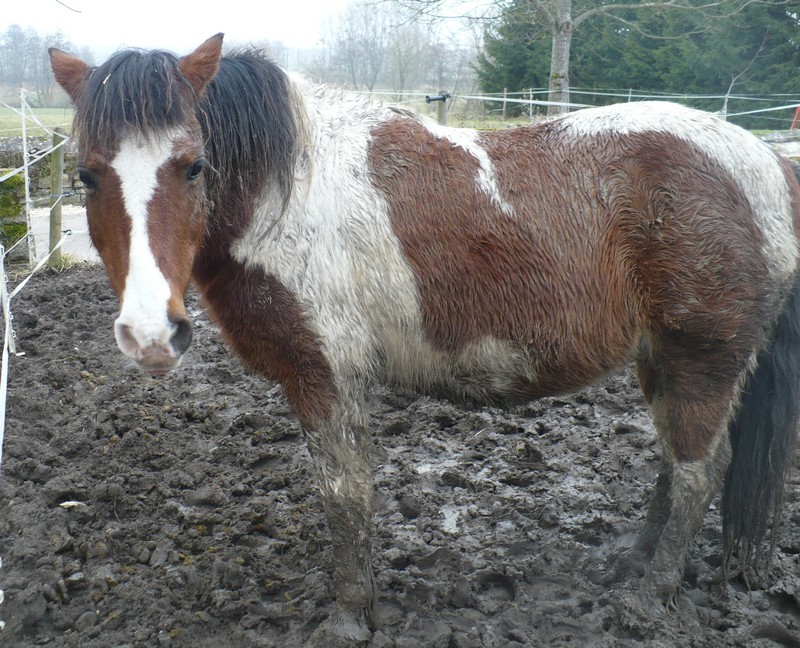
155, 353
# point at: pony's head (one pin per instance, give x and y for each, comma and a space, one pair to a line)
142, 160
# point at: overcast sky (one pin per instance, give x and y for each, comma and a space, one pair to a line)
177, 25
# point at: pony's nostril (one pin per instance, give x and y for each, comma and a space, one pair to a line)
127, 341
182, 337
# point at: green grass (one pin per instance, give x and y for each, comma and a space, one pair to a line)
487, 123
11, 122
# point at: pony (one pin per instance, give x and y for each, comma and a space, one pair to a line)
340, 244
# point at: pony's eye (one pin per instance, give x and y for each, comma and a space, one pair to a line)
196, 168
88, 179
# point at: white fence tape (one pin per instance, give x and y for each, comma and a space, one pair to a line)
526, 97
9, 346
2, 596
33, 160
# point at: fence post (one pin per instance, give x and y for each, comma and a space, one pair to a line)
26, 161
56, 195
441, 109
530, 105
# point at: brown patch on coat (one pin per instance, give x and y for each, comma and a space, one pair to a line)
612, 238
481, 272
176, 220
697, 253
109, 226
265, 325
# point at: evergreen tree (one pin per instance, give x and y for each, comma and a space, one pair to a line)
755, 50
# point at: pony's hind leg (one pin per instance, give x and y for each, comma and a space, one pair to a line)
693, 485
691, 410
657, 515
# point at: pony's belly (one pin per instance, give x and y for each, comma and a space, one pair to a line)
495, 371
490, 371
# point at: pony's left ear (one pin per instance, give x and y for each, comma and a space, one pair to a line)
70, 72
200, 66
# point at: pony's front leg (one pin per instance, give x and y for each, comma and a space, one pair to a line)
341, 453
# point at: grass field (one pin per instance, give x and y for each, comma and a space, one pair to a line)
11, 122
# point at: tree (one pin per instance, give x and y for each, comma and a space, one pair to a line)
361, 44
24, 61
17, 50
514, 55
755, 52
560, 19
373, 45
408, 49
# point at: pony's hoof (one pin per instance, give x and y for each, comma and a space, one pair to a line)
341, 630
641, 613
625, 565
635, 612
663, 586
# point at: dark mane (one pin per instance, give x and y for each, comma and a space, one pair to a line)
135, 91
248, 119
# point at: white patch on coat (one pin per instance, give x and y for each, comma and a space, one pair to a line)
467, 139
335, 249
749, 161
144, 300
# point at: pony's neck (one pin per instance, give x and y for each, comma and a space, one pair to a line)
252, 122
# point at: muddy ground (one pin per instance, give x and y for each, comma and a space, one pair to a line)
182, 511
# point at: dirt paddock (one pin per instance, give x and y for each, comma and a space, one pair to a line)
183, 512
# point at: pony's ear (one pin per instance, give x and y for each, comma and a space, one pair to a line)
200, 66
70, 72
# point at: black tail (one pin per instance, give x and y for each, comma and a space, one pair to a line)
763, 435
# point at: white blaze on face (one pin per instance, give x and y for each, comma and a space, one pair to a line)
144, 300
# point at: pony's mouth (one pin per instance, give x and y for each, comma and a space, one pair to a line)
158, 367
157, 373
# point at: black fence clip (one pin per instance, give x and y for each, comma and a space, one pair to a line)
441, 97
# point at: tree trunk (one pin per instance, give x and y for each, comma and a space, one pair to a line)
559, 62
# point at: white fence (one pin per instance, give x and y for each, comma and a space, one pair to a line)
772, 111
26, 115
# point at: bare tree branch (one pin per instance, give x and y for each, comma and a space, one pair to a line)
437, 9
704, 9
65, 5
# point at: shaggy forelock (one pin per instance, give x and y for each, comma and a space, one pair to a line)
134, 92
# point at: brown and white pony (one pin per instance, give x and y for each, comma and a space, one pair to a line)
341, 244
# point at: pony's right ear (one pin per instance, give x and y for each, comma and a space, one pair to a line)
201, 66
70, 72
